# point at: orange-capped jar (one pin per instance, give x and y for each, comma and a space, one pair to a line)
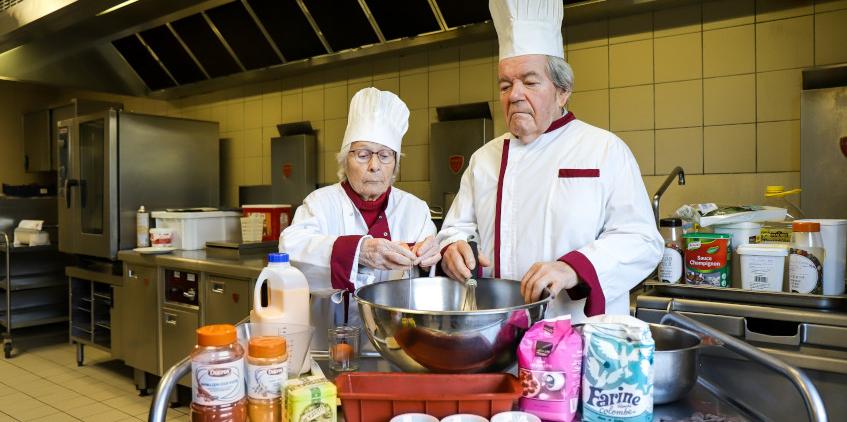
806, 226
217, 376
805, 258
267, 374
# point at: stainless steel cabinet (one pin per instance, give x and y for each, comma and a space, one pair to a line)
179, 325
227, 300
37, 144
139, 318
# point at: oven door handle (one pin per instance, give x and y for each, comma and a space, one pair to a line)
69, 183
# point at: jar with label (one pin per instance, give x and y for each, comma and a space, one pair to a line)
805, 259
670, 267
267, 374
217, 376
780, 231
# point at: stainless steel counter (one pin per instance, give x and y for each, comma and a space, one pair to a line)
247, 267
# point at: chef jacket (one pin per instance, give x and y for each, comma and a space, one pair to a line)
574, 194
325, 236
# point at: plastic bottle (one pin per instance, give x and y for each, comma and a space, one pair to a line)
267, 374
288, 296
805, 258
217, 376
670, 267
142, 227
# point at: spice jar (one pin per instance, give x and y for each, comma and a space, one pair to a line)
267, 374
670, 267
217, 376
805, 259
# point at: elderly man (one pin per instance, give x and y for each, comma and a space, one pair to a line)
363, 230
556, 203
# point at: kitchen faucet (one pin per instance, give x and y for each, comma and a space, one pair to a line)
677, 171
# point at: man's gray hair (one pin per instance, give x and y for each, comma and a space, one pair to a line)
560, 73
341, 157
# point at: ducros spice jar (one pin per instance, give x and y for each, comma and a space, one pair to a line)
217, 376
267, 374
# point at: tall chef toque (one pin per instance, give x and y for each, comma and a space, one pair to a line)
528, 27
376, 116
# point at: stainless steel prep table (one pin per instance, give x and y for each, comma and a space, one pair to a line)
221, 292
245, 267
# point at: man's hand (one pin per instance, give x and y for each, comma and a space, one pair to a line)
382, 254
458, 260
554, 275
426, 252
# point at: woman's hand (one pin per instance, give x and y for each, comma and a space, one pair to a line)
382, 254
427, 252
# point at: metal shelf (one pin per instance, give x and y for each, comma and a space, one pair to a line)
33, 317
35, 291
37, 281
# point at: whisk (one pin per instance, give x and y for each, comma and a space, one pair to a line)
469, 304
470, 295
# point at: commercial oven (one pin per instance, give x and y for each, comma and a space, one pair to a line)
112, 162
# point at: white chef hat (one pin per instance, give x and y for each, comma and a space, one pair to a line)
376, 116
528, 27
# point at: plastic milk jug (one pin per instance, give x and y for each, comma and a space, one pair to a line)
288, 296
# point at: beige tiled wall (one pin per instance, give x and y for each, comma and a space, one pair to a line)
713, 86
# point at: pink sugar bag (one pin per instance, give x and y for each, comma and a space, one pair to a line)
550, 364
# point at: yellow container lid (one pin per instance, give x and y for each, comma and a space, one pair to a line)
776, 191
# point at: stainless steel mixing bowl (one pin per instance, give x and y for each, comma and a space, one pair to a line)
674, 362
416, 323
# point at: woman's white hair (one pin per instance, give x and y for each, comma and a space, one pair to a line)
341, 157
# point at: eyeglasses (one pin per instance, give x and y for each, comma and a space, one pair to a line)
364, 155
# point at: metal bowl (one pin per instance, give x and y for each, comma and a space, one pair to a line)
674, 362
418, 326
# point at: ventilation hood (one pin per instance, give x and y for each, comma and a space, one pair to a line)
176, 48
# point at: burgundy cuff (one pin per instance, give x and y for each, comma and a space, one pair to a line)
589, 284
341, 262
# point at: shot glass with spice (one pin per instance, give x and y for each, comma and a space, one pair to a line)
344, 348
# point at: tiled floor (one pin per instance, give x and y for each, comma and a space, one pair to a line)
43, 383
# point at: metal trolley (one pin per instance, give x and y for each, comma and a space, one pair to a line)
814, 405
7, 337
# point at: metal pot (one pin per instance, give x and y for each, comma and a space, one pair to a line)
674, 362
416, 323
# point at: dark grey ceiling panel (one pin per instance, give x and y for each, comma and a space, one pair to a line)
343, 23
398, 19
144, 64
163, 42
243, 36
289, 28
206, 46
458, 13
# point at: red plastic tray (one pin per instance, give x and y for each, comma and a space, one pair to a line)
379, 396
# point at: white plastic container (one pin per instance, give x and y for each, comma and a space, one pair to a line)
762, 266
288, 295
193, 229
742, 234
834, 234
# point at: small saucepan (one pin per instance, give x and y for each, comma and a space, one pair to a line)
674, 362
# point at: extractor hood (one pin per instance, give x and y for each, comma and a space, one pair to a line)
177, 48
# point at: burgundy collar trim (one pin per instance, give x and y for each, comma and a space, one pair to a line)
361, 204
561, 121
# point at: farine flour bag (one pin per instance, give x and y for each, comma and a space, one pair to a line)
617, 383
550, 359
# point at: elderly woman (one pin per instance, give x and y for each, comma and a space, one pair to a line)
363, 230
